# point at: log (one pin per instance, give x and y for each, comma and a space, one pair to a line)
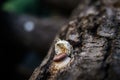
94, 33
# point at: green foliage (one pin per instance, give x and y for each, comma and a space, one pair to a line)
19, 6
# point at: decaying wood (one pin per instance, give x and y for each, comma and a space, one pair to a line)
95, 36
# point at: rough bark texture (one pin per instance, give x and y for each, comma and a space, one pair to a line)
95, 31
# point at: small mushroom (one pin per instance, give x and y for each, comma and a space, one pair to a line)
62, 49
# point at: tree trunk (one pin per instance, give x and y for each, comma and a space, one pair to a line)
94, 33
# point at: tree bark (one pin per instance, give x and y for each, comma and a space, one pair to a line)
95, 31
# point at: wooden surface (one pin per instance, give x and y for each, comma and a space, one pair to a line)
96, 45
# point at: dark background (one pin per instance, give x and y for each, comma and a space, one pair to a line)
24, 47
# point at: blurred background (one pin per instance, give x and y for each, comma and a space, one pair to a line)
28, 28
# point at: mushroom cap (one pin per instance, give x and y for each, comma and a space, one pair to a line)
63, 46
